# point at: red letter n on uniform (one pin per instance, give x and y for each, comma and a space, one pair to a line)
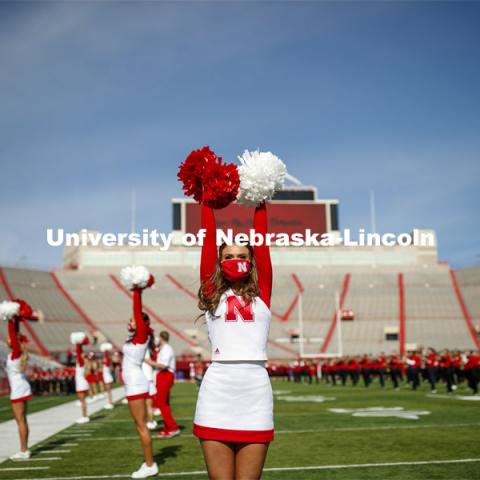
235, 307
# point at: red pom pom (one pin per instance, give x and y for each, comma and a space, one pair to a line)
86, 341
25, 310
221, 184
208, 180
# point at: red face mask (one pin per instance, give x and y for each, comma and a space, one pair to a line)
235, 269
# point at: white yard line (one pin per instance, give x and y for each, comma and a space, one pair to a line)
321, 430
42, 459
279, 469
42, 452
46, 423
18, 469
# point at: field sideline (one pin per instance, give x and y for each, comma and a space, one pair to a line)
311, 441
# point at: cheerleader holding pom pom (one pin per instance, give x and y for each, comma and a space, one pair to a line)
20, 390
234, 411
136, 279
79, 339
106, 348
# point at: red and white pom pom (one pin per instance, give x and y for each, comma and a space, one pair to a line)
136, 276
208, 180
9, 310
106, 347
78, 338
261, 175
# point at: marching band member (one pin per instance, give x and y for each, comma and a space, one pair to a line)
20, 390
234, 412
136, 383
81, 385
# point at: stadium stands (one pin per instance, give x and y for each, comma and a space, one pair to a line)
92, 300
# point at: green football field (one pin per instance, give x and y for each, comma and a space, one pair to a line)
404, 435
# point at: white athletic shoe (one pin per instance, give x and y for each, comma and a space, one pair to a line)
144, 471
454, 387
108, 406
82, 420
125, 401
21, 455
157, 412
152, 425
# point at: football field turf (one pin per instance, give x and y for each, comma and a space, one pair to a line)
408, 435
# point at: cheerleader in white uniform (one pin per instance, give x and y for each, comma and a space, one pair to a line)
234, 412
150, 373
20, 390
137, 386
81, 385
107, 377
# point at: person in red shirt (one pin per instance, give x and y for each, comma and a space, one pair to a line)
354, 370
431, 368
446, 368
414, 362
395, 366
366, 369
342, 370
472, 368
380, 365
457, 369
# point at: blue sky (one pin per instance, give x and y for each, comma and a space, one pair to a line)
98, 97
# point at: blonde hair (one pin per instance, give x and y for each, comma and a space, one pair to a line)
211, 291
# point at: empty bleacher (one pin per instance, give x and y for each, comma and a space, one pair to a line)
433, 316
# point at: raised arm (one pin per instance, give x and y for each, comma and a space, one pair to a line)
13, 336
106, 359
208, 260
262, 255
141, 332
80, 359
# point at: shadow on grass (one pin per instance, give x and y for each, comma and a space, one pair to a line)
171, 451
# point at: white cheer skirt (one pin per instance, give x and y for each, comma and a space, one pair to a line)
107, 375
20, 390
81, 384
235, 403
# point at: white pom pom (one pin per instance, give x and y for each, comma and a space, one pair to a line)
106, 347
134, 277
8, 310
261, 175
77, 337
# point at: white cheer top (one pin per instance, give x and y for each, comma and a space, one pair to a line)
239, 332
19, 386
133, 356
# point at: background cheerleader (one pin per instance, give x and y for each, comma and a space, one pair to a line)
136, 383
107, 377
81, 385
91, 374
150, 373
20, 391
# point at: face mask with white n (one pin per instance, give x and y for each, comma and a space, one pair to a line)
235, 269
